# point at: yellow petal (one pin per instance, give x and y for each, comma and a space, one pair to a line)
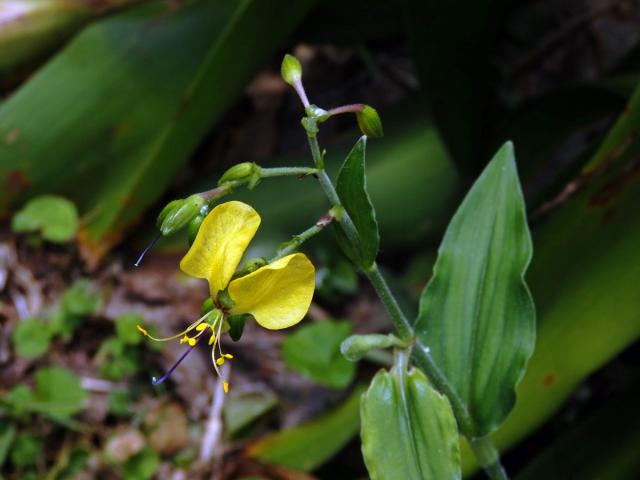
278, 295
220, 243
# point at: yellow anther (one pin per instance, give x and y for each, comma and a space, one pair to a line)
184, 339
142, 330
225, 386
220, 361
201, 327
192, 342
212, 339
227, 355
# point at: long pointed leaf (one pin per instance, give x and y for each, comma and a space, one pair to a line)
476, 314
110, 120
352, 190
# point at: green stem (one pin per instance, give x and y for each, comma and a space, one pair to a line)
292, 245
488, 457
287, 171
485, 451
329, 190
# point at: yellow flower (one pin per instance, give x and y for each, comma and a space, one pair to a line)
278, 294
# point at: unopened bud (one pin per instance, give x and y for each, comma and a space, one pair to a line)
194, 225
357, 346
369, 122
170, 207
236, 325
180, 214
242, 172
291, 70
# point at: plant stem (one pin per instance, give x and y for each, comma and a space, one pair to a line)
287, 171
484, 449
353, 108
297, 240
329, 190
488, 457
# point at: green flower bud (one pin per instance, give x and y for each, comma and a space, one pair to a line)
170, 207
180, 215
240, 172
236, 325
356, 346
291, 70
194, 225
369, 122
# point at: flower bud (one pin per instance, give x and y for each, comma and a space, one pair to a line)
369, 122
242, 172
236, 325
357, 346
180, 214
193, 228
291, 70
170, 207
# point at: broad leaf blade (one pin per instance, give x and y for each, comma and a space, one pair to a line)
308, 446
111, 119
476, 314
314, 351
352, 190
408, 429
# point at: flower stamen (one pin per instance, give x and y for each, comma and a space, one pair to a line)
158, 381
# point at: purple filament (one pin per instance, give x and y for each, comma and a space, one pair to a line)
157, 381
147, 248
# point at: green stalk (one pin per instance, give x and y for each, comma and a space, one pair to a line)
292, 245
483, 448
287, 171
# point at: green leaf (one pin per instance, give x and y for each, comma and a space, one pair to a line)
80, 300
19, 398
309, 445
26, 450
142, 466
58, 392
169, 73
314, 351
7, 434
619, 138
118, 359
243, 407
126, 328
352, 190
120, 404
476, 314
31, 337
583, 321
54, 217
408, 429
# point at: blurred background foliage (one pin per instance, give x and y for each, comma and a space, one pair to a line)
110, 108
